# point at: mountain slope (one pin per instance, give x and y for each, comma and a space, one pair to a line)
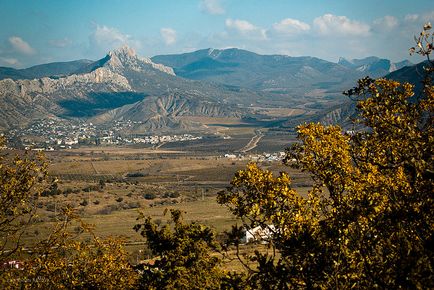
413, 74
119, 79
373, 66
344, 113
267, 73
166, 111
55, 69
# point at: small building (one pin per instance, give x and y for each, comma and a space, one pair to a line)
258, 234
14, 264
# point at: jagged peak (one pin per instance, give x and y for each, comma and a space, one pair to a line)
124, 50
343, 60
126, 56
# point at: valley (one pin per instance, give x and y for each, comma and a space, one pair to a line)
128, 134
107, 186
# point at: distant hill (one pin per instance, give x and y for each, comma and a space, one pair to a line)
276, 74
120, 79
413, 74
344, 113
267, 73
55, 69
373, 66
164, 91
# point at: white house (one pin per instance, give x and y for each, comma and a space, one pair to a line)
258, 234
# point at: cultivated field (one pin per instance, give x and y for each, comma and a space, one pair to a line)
108, 186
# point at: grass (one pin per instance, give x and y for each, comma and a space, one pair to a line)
194, 170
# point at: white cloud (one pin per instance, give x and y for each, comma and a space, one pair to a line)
104, 39
291, 26
330, 24
212, 7
429, 16
168, 35
60, 43
411, 17
385, 23
245, 28
104, 35
9, 61
21, 46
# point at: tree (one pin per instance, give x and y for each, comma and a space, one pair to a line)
183, 255
22, 179
367, 221
62, 260
65, 261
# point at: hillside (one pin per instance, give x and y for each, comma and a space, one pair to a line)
276, 74
121, 78
55, 69
373, 66
413, 74
160, 92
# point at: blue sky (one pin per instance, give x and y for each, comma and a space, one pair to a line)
41, 31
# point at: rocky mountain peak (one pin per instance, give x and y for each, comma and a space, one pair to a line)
372, 65
343, 61
126, 57
123, 52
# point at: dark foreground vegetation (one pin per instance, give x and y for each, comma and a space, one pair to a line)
367, 221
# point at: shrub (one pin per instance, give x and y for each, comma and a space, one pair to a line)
149, 196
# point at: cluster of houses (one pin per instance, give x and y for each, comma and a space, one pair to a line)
276, 156
154, 140
53, 134
48, 134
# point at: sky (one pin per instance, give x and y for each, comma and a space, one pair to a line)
42, 31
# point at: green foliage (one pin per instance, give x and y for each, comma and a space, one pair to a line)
182, 253
149, 195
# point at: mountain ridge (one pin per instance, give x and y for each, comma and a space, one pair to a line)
279, 74
209, 82
121, 76
54, 69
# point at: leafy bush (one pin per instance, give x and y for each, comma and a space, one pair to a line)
136, 174
150, 195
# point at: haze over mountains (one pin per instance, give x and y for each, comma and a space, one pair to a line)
44, 70
160, 92
274, 73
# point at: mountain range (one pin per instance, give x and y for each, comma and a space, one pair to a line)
373, 66
55, 69
275, 73
161, 90
100, 90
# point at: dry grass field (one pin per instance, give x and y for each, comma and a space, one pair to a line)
281, 112
108, 186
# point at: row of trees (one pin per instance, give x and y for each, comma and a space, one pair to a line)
367, 221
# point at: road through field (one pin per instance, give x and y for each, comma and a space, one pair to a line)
253, 142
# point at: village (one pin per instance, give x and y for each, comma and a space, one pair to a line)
51, 134
54, 135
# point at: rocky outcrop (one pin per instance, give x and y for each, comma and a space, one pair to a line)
373, 66
126, 58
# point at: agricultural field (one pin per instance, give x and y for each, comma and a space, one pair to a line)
109, 186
